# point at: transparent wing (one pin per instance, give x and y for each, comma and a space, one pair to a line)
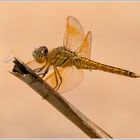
85, 49
74, 35
71, 77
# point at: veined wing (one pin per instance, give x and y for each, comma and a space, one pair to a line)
71, 77
75, 38
85, 49
74, 35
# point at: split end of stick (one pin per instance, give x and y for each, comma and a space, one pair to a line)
19, 67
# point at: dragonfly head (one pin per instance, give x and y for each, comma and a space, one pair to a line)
40, 54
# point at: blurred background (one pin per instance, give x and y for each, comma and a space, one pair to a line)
111, 101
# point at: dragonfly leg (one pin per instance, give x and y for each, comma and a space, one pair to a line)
57, 75
40, 69
46, 71
59, 78
56, 78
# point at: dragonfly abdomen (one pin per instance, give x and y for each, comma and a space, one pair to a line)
84, 63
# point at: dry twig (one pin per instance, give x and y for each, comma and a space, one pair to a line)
23, 72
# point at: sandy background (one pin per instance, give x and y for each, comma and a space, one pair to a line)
111, 101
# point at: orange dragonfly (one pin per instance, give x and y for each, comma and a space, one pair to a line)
69, 61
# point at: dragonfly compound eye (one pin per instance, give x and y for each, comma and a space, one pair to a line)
34, 53
45, 51
40, 54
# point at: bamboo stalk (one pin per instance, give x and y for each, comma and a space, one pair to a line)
23, 72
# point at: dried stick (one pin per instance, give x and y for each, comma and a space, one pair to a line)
23, 72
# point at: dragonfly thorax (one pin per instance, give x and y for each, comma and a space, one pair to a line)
40, 54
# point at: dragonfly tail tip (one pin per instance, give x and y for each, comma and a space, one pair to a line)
137, 75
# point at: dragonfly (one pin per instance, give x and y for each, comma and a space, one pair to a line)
68, 61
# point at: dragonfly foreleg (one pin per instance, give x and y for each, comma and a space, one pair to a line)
40, 69
46, 71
